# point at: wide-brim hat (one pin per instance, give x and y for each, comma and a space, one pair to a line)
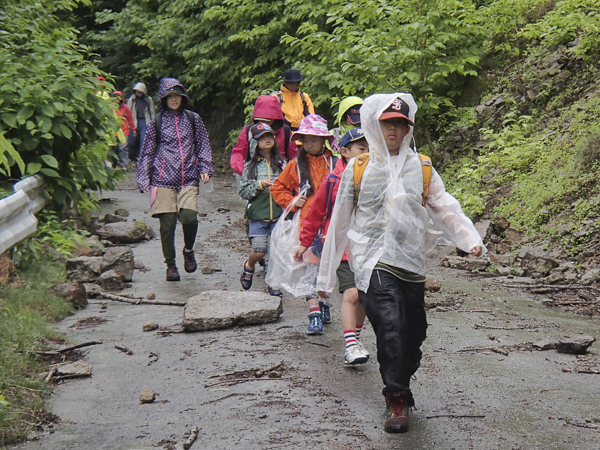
293, 76
398, 109
175, 90
313, 125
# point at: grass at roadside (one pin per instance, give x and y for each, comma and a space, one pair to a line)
27, 312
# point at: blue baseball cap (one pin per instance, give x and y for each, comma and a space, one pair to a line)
352, 135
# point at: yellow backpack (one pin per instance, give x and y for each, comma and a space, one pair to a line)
361, 164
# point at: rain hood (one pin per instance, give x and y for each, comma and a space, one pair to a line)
389, 223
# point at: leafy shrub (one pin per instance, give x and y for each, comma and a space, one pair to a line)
51, 113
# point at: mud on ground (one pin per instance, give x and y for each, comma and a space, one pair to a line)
481, 384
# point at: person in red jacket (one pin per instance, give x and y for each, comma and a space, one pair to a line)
127, 123
353, 144
266, 110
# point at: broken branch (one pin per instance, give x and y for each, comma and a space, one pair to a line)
456, 416
484, 349
123, 349
187, 444
588, 371
140, 300
319, 344
67, 349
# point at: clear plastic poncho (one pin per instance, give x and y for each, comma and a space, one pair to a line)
389, 223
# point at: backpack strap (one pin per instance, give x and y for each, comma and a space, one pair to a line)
360, 164
287, 133
305, 110
331, 180
427, 170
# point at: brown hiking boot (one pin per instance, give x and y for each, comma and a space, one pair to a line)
396, 412
172, 273
189, 261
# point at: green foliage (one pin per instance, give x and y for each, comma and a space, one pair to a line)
25, 315
51, 114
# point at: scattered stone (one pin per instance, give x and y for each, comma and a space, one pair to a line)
73, 292
432, 285
83, 250
553, 278
125, 232
84, 268
8, 273
590, 276
149, 326
484, 228
503, 247
577, 345
113, 218
202, 214
543, 344
504, 271
210, 269
75, 369
500, 224
138, 265
147, 396
274, 374
110, 281
119, 259
122, 212
222, 210
570, 276
92, 290
150, 295
92, 241
535, 263
468, 263
501, 260
213, 310
512, 236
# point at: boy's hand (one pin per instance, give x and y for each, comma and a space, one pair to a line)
204, 177
323, 294
301, 201
477, 251
299, 252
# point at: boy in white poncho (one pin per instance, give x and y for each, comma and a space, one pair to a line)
388, 234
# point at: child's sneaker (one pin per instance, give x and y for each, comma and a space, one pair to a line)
362, 349
275, 292
355, 355
246, 278
325, 314
315, 324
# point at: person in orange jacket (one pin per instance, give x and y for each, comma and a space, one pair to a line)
313, 163
295, 104
127, 123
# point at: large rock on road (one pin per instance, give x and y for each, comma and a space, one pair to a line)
125, 232
213, 310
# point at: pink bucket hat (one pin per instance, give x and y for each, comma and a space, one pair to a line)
314, 125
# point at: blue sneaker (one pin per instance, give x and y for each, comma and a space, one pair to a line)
325, 314
315, 324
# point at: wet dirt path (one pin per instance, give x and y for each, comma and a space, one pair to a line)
483, 400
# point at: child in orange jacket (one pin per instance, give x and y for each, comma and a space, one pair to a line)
313, 163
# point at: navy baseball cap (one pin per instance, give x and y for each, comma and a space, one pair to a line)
353, 114
352, 135
398, 109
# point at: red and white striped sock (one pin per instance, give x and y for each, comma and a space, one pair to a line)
358, 330
314, 308
350, 338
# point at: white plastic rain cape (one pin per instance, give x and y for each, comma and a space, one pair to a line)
389, 223
297, 279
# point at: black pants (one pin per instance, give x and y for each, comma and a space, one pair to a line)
168, 224
396, 309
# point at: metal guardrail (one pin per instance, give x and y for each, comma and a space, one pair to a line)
17, 220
